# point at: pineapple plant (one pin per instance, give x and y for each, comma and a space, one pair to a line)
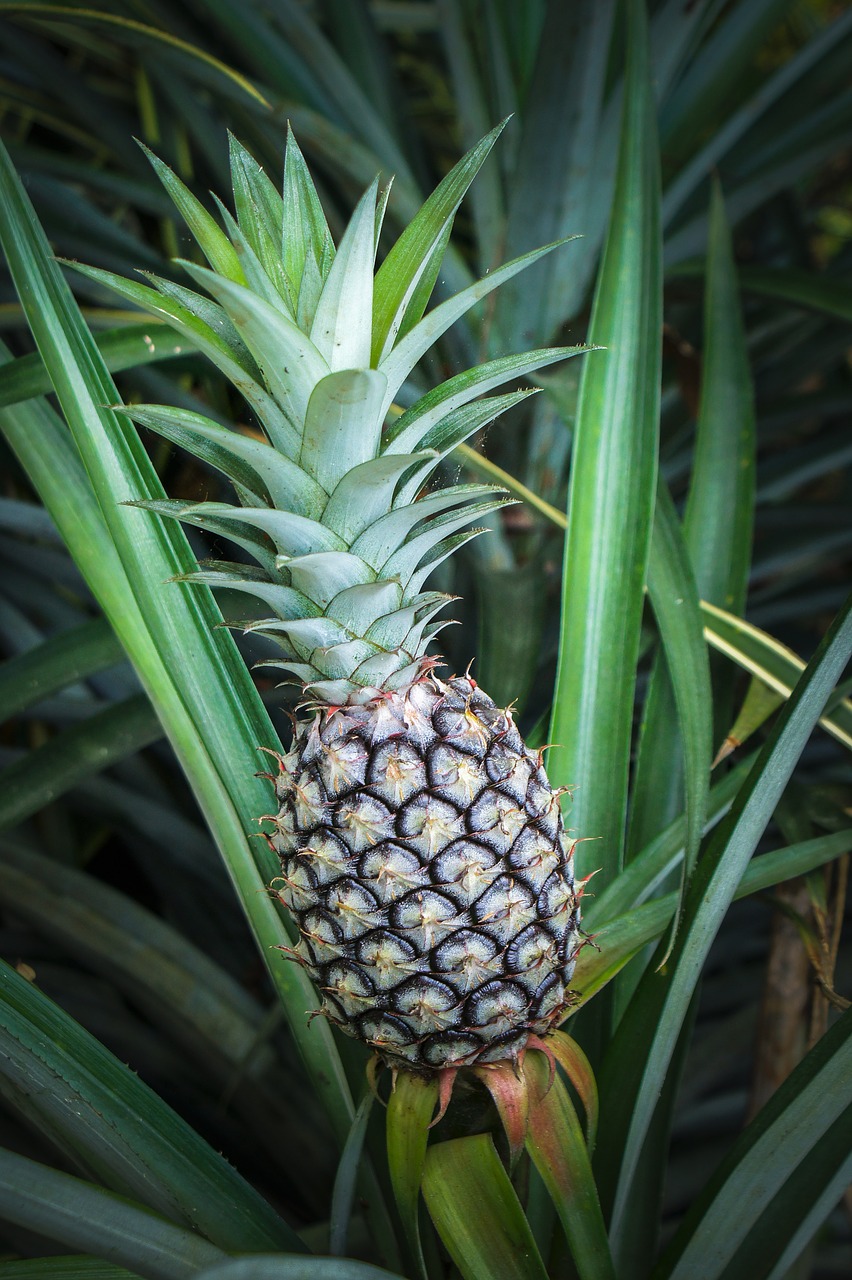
423, 854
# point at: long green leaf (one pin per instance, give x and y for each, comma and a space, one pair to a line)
123, 348
410, 1109
611, 497
115, 1129
674, 596
412, 257
58, 662
631, 1080
280, 1267
86, 1217
71, 1267
477, 1213
561, 163
88, 747
134, 32
717, 532
743, 1218
770, 661
343, 1195
623, 936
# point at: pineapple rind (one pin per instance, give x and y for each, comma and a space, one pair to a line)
431, 878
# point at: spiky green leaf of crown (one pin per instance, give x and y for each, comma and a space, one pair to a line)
333, 505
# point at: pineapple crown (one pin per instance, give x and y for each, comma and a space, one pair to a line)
332, 504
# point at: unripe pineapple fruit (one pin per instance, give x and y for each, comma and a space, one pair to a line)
424, 858
422, 851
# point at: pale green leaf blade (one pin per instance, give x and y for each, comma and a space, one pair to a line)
342, 325
251, 464
290, 363
399, 362
408, 260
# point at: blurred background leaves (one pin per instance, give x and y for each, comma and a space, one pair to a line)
112, 892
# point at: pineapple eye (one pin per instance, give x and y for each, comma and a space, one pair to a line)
497, 1006
391, 870
430, 1004
366, 820
429, 824
451, 1048
426, 917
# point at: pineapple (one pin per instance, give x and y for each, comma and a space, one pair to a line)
423, 855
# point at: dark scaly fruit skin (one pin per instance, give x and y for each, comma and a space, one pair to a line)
424, 859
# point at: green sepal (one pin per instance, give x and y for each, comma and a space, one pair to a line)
365, 493
410, 1109
384, 537
253, 465
341, 329
477, 1212
212, 241
343, 424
